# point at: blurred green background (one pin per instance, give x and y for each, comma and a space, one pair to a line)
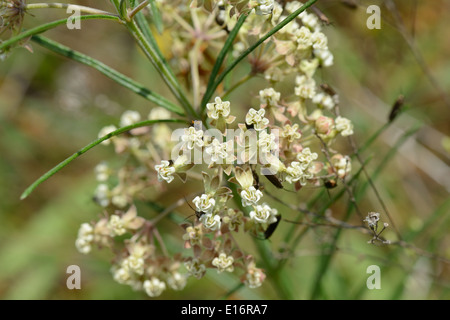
50, 107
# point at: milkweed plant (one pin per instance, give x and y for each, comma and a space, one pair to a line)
286, 138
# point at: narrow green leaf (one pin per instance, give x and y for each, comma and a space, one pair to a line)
109, 72
152, 52
156, 15
91, 145
123, 8
42, 28
220, 58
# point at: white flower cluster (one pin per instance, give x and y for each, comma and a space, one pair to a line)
344, 126
269, 97
299, 170
264, 7
205, 205
85, 238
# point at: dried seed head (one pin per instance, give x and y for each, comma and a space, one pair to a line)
12, 13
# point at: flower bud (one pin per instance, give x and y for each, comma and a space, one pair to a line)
324, 125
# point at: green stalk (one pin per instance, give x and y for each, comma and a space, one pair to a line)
278, 279
109, 72
91, 145
277, 28
156, 15
220, 58
48, 26
326, 260
153, 55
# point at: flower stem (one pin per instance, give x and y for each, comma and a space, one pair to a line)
169, 78
213, 86
137, 9
237, 85
91, 145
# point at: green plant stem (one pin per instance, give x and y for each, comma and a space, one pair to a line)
48, 26
83, 9
212, 88
156, 17
91, 145
219, 61
237, 85
153, 55
109, 72
137, 9
278, 279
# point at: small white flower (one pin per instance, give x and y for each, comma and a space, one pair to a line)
119, 200
304, 38
158, 114
176, 281
264, 7
205, 203
254, 278
102, 172
305, 157
238, 48
195, 268
102, 195
292, 6
291, 133
297, 172
129, 117
104, 131
257, 119
135, 264
193, 137
311, 21
344, 126
320, 41
218, 109
325, 56
165, 171
116, 225
223, 263
85, 238
266, 142
342, 165
193, 234
306, 87
250, 196
154, 287
121, 275
269, 97
324, 100
264, 214
217, 151
309, 67
210, 221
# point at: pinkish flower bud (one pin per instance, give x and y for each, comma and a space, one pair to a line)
324, 125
